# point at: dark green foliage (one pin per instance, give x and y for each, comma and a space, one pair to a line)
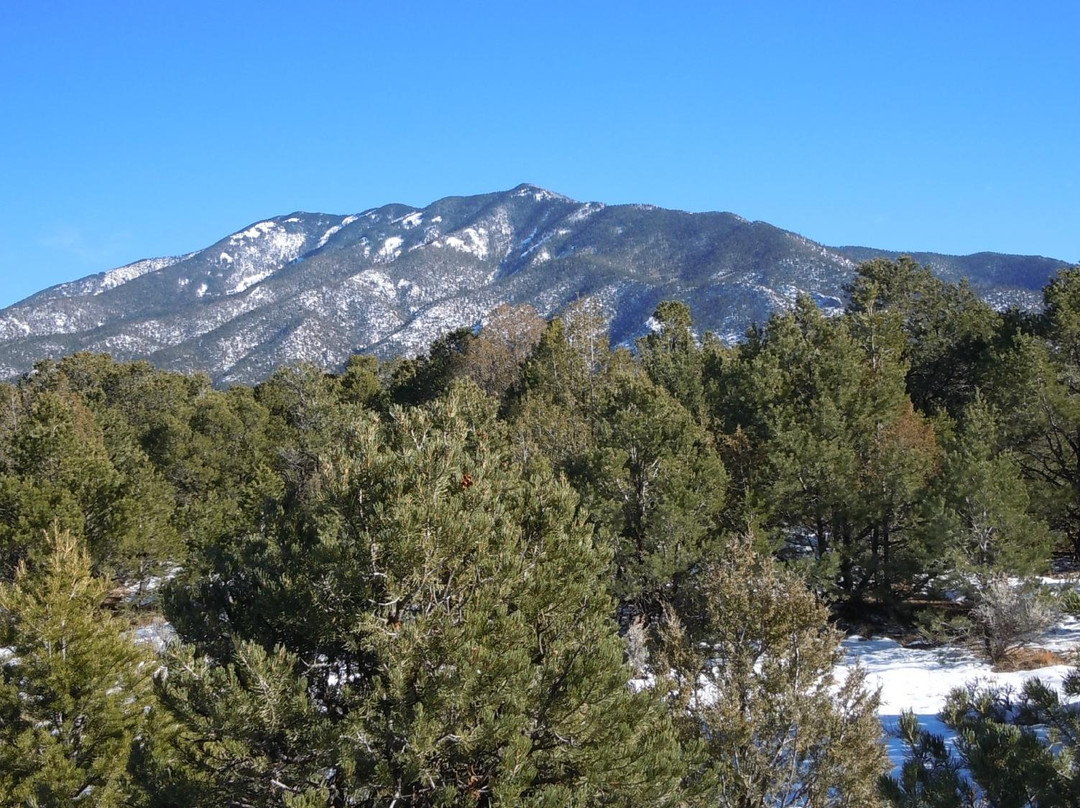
654, 485
1036, 387
649, 474
416, 602
989, 533
86, 474
672, 359
948, 330
447, 607
987, 507
246, 733
360, 382
554, 409
844, 460
415, 381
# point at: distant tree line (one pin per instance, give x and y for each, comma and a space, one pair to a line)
528, 569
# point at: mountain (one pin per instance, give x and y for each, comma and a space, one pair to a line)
1002, 280
319, 287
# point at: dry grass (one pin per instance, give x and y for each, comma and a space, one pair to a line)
1028, 659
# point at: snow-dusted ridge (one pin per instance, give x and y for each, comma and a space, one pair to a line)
392, 279
122, 275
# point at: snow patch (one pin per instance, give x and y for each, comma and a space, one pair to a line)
533, 246
410, 290
391, 248
585, 211
471, 240
920, 679
247, 281
252, 262
254, 232
326, 236
410, 221
376, 282
158, 634
121, 275
539, 194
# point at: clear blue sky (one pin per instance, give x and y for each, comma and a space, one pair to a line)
137, 129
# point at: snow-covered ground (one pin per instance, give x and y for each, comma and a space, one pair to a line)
157, 633
920, 679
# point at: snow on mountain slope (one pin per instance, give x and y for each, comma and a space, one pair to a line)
389, 280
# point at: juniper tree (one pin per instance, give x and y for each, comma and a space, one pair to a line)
844, 460
757, 701
1036, 387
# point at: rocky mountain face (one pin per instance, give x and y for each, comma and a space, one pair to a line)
318, 287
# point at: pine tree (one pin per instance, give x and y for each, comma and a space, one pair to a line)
672, 358
445, 606
81, 468
57, 470
424, 378
74, 690
1015, 749
239, 734
654, 485
989, 506
948, 330
991, 536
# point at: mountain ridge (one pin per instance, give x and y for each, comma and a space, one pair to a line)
388, 280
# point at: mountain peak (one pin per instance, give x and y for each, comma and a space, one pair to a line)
319, 287
537, 193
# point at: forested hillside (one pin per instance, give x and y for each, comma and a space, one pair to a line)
526, 569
